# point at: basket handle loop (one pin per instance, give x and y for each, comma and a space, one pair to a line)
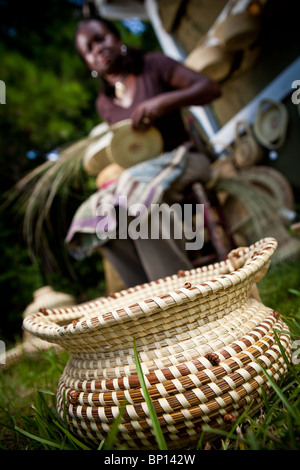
241, 256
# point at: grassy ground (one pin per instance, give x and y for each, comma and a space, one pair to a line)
28, 419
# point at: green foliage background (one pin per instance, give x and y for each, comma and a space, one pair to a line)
50, 102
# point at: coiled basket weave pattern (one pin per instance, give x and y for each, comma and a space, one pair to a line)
201, 337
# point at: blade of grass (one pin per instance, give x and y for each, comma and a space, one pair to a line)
218, 432
100, 446
156, 427
40, 439
47, 392
293, 325
251, 439
265, 398
71, 437
109, 441
286, 360
295, 292
200, 441
279, 393
42, 425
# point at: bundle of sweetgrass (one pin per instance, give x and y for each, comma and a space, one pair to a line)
46, 188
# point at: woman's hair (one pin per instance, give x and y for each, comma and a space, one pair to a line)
107, 23
133, 61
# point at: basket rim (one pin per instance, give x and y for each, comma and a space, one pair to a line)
42, 323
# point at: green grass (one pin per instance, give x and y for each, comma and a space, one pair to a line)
280, 288
28, 418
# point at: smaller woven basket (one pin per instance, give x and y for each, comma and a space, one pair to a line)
248, 151
270, 123
31, 345
109, 175
201, 337
129, 147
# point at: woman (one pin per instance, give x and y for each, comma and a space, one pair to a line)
150, 89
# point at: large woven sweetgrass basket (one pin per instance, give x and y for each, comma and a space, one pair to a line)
202, 337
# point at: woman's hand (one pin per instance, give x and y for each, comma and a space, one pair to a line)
146, 113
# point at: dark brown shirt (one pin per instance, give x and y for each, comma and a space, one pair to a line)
154, 80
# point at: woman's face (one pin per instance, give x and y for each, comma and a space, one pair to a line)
98, 46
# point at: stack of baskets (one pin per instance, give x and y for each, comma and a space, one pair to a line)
202, 337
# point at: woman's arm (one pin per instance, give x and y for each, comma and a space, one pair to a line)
189, 88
